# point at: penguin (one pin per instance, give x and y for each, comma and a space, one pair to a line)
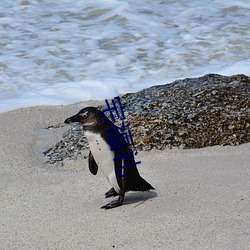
101, 156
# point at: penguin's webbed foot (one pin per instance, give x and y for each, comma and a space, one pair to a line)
113, 204
111, 193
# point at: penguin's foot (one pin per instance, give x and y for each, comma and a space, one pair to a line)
113, 204
111, 193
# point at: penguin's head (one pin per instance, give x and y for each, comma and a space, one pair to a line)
87, 117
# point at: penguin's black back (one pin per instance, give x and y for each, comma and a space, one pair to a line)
133, 181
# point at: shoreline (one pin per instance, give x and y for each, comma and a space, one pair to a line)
201, 198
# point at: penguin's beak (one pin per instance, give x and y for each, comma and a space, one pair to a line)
74, 118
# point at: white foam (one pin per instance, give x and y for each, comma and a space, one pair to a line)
242, 67
61, 52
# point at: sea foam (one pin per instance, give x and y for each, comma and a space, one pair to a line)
63, 52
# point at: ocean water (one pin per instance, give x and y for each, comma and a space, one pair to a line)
61, 52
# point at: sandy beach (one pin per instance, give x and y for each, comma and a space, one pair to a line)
201, 198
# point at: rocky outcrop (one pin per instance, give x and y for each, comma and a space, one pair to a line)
190, 113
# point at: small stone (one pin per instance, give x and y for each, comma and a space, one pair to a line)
182, 132
147, 140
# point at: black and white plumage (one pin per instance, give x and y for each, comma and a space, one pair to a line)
101, 156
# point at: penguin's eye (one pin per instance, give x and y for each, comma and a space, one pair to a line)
84, 115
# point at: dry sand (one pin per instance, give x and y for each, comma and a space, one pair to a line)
201, 201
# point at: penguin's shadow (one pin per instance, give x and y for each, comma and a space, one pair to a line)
139, 198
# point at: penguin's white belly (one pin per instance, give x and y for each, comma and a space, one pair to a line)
103, 157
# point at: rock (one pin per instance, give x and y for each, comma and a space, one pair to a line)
190, 113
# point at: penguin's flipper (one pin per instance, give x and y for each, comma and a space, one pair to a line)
93, 167
111, 193
113, 204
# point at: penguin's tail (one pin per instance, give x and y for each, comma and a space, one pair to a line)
141, 185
